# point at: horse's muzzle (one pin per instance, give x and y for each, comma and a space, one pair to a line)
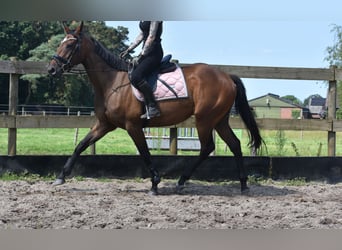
54, 70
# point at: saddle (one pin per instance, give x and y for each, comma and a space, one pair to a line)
167, 82
165, 66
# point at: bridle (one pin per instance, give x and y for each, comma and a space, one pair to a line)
65, 63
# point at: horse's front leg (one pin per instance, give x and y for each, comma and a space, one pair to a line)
137, 134
96, 133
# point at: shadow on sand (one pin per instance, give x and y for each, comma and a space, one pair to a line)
212, 189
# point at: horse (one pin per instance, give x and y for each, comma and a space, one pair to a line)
212, 93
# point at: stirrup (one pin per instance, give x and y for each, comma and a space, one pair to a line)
150, 113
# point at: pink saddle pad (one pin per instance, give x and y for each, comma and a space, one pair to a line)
174, 79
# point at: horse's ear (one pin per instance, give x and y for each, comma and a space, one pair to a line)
66, 28
79, 29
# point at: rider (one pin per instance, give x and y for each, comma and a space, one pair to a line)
147, 61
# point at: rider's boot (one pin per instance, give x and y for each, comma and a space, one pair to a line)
152, 109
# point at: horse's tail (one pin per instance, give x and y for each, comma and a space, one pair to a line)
244, 110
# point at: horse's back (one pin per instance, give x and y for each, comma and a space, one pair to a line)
211, 93
210, 87
207, 75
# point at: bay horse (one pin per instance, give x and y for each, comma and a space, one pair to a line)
211, 95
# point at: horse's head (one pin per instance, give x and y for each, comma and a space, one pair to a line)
68, 53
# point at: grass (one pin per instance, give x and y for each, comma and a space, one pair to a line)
298, 181
62, 142
9, 176
252, 180
288, 143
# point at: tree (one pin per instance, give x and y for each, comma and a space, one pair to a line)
334, 57
73, 90
38, 41
17, 39
292, 99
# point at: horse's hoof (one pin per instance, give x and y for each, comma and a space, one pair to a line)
58, 182
153, 192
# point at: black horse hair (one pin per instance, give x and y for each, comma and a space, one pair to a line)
110, 58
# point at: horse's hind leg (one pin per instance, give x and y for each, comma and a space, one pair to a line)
227, 134
96, 133
207, 146
137, 135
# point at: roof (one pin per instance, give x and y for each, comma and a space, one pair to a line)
272, 100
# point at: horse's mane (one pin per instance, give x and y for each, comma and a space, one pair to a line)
111, 59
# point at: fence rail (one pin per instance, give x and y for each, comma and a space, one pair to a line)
73, 121
292, 73
12, 121
48, 110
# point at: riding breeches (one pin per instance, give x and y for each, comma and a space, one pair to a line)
147, 64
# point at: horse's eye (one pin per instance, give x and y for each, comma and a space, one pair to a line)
69, 46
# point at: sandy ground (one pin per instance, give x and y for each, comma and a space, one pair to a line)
125, 204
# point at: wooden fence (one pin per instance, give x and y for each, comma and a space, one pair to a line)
16, 68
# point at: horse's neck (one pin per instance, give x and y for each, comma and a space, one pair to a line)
102, 76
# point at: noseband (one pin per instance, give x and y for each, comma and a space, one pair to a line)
65, 63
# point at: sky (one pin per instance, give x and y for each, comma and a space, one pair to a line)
286, 35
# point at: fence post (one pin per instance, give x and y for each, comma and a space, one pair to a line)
92, 149
12, 110
174, 132
332, 115
173, 140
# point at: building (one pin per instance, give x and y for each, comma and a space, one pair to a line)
272, 106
